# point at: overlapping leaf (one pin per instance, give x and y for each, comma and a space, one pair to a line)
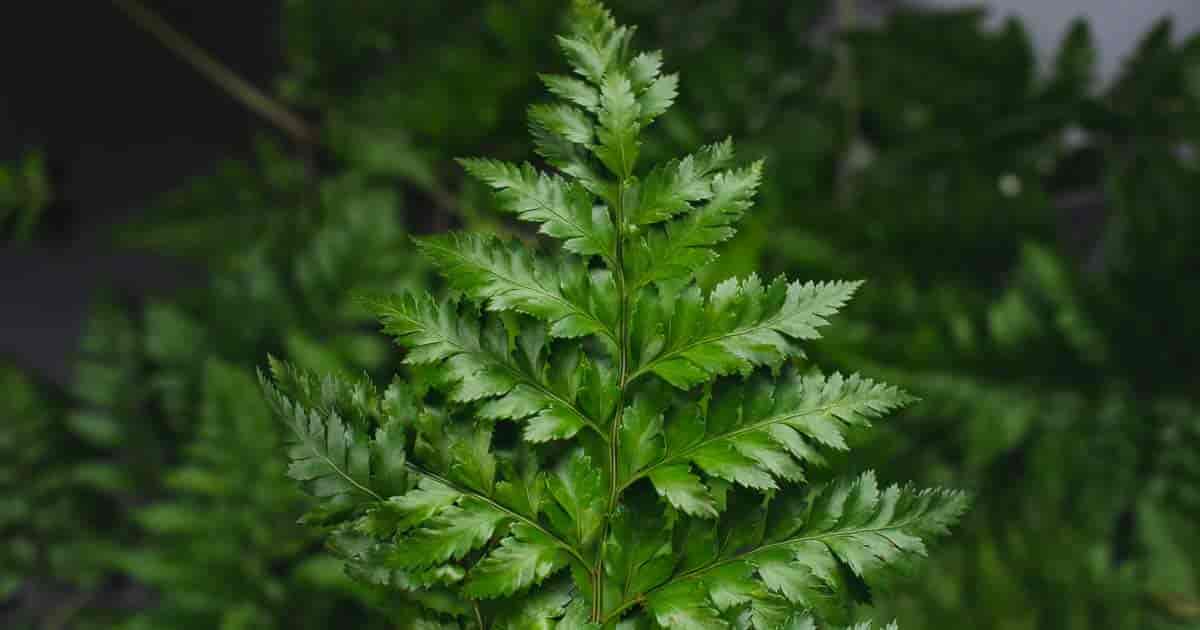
421, 536
548, 608
562, 134
557, 393
677, 248
442, 522
596, 42
672, 188
524, 558
637, 555
450, 535
336, 454
580, 497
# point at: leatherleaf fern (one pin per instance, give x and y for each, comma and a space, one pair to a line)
590, 440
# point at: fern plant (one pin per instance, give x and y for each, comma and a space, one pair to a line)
44, 501
176, 389
590, 440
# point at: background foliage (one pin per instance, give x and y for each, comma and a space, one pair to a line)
1030, 237
24, 195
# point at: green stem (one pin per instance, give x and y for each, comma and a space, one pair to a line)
238, 88
614, 436
478, 615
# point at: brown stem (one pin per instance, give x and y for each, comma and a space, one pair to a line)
253, 98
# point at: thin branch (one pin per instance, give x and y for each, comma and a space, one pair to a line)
207, 65
623, 379
253, 98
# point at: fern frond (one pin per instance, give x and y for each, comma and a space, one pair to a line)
795, 549
542, 609
556, 393
565, 210
334, 455
672, 188
456, 530
507, 276
678, 248
752, 433
524, 558
648, 486
434, 509
740, 326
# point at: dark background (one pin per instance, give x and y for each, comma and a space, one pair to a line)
121, 120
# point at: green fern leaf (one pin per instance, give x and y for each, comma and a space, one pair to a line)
671, 189
480, 363
573, 90
541, 609
454, 532
620, 124
678, 248
596, 42
565, 211
685, 605
399, 514
333, 456
579, 492
742, 325
798, 546
508, 277
638, 554
567, 122
522, 559
658, 97
752, 433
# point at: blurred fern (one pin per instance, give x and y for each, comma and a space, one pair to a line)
54, 492
25, 193
1035, 328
